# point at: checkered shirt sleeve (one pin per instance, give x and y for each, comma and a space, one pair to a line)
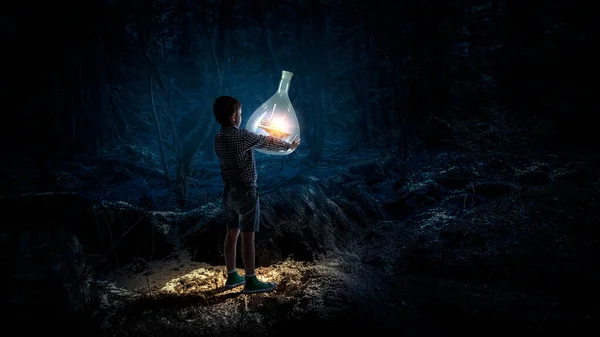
234, 146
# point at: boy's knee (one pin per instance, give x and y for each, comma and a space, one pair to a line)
247, 236
232, 233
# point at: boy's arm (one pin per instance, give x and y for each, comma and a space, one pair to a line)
252, 140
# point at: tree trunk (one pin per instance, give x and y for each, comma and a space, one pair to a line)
319, 65
163, 158
202, 136
401, 107
224, 28
259, 13
364, 126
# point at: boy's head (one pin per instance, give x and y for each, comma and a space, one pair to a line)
228, 111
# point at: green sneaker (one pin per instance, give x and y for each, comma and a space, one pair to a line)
234, 280
253, 285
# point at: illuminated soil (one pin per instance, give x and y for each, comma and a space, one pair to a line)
457, 241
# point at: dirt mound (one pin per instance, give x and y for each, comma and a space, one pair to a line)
125, 232
111, 233
309, 295
297, 221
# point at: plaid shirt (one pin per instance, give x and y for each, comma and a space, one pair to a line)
234, 149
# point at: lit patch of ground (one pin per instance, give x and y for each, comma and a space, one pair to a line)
193, 299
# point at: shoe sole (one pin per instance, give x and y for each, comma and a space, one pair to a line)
264, 290
230, 286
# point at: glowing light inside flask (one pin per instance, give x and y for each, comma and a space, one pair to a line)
275, 126
276, 117
280, 124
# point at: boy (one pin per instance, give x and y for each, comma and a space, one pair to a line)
234, 147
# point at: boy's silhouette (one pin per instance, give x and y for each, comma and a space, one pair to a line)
233, 147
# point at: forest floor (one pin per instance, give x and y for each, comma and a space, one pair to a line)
481, 233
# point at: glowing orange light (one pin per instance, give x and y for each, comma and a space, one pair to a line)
275, 127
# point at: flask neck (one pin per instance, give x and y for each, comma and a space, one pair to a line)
284, 85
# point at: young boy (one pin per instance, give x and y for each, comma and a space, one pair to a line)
234, 147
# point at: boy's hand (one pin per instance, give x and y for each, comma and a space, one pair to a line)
295, 142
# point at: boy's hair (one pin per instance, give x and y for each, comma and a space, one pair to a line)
224, 108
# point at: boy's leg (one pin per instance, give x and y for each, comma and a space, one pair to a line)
229, 250
233, 226
253, 285
249, 222
248, 252
233, 278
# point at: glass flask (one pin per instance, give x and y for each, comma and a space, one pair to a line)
276, 117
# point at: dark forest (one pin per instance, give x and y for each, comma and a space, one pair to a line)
445, 182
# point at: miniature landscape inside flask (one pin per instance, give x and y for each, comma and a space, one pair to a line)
276, 116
